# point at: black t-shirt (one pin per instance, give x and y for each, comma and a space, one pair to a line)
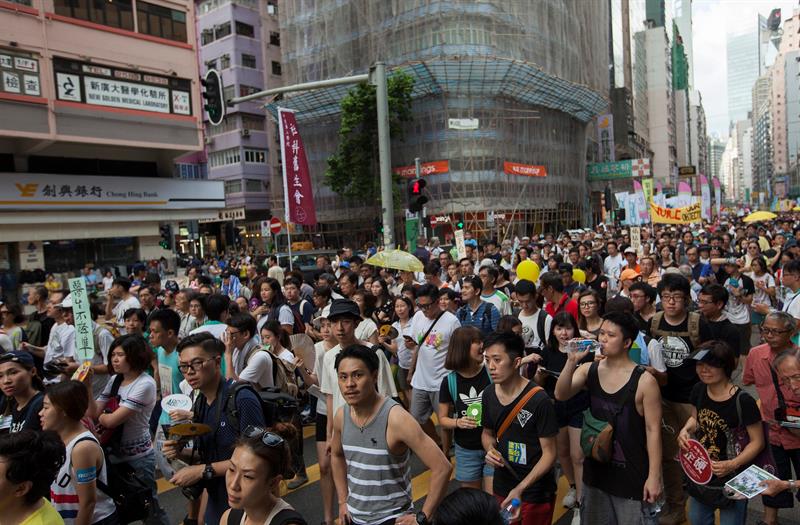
716, 421
519, 445
725, 330
468, 390
28, 417
600, 285
681, 374
554, 361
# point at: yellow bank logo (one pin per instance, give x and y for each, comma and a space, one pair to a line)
27, 190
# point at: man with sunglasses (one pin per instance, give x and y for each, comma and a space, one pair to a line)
431, 328
199, 358
759, 370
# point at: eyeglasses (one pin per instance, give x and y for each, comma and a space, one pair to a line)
587, 304
704, 301
793, 379
237, 332
424, 307
195, 365
677, 298
637, 296
773, 331
270, 439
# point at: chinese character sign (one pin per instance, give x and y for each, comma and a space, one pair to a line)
605, 138
696, 462
296, 176
84, 332
685, 215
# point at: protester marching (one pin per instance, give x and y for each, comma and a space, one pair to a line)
574, 377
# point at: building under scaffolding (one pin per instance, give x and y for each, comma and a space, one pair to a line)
533, 72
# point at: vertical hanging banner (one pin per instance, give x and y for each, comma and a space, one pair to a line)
717, 194
84, 332
647, 187
641, 203
705, 196
605, 138
297, 193
684, 197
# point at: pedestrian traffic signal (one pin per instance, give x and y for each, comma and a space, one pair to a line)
459, 224
416, 197
165, 230
213, 95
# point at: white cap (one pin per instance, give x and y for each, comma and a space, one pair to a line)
66, 302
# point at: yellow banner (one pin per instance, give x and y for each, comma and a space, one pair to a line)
685, 215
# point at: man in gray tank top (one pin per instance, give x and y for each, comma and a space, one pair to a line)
373, 438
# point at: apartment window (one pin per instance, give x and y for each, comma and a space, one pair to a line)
233, 186
245, 29
247, 90
228, 92
248, 61
115, 14
191, 171
224, 61
207, 36
274, 38
272, 8
226, 157
222, 30
253, 186
28, 3
276, 68
255, 156
252, 122
228, 124
161, 21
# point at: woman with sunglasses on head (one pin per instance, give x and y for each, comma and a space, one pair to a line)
23, 390
260, 461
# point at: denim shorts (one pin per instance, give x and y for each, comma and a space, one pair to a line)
471, 464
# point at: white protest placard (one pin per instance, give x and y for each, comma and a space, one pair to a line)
461, 247
84, 333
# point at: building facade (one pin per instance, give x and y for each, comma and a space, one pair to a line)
661, 106
743, 71
97, 100
451, 52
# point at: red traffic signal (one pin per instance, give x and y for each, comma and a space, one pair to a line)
416, 197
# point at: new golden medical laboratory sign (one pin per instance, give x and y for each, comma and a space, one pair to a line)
685, 215
21, 191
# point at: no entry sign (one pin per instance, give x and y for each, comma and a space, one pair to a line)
275, 225
696, 463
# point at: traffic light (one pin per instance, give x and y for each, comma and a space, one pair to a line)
165, 230
416, 197
213, 95
459, 223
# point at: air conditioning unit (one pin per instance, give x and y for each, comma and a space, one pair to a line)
245, 132
208, 140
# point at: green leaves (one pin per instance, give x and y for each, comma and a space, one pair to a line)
353, 169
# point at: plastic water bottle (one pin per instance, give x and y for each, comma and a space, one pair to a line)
508, 512
652, 510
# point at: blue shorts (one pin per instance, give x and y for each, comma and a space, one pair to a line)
471, 464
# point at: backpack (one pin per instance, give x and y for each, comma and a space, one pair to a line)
486, 317
540, 320
284, 517
283, 377
692, 332
131, 495
452, 385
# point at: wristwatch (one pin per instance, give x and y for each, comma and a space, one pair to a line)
208, 472
422, 519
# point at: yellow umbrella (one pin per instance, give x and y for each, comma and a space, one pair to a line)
396, 259
796, 208
760, 216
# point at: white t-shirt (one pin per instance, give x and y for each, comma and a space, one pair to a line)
319, 358
61, 342
139, 396
104, 339
404, 355
529, 329
761, 297
121, 308
285, 316
500, 301
256, 370
365, 329
655, 351
612, 267
432, 351
214, 328
329, 382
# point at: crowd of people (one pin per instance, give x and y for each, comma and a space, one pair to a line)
601, 366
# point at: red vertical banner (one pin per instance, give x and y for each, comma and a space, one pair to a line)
297, 193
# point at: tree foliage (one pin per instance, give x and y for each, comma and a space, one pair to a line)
353, 169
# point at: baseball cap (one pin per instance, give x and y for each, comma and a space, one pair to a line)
344, 308
66, 302
17, 356
630, 249
628, 273
706, 356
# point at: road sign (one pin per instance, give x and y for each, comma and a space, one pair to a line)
265, 232
275, 225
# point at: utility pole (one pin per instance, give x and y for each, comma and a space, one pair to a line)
418, 170
376, 77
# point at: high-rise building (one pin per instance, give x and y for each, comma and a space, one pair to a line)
96, 101
532, 105
715, 149
781, 84
241, 39
743, 71
660, 105
762, 135
683, 19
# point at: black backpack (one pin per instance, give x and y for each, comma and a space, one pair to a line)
275, 406
284, 517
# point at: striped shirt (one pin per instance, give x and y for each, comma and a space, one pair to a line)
378, 482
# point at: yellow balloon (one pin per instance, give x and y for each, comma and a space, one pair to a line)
579, 275
528, 270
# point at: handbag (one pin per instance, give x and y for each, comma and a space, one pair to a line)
597, 435
110, 437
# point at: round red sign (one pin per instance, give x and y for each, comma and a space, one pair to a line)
275, 225
696, 463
